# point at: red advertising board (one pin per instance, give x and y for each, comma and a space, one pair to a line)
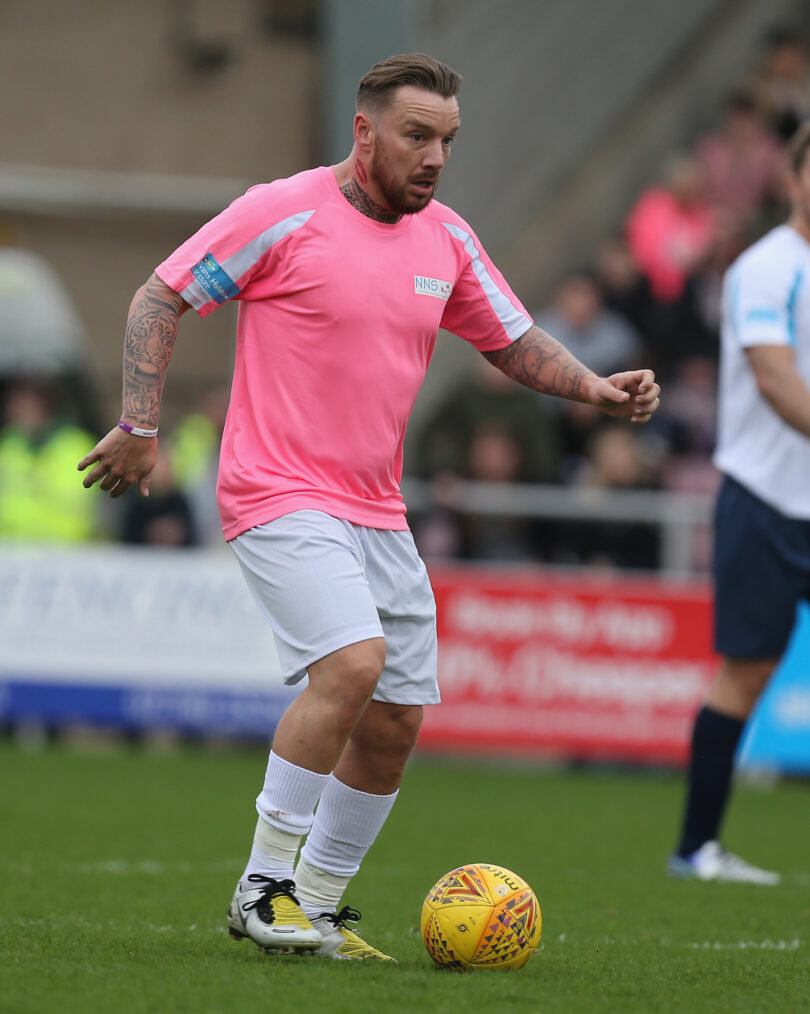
532, 662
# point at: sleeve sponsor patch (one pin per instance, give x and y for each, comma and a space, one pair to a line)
214, 279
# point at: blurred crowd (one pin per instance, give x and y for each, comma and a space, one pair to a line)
650, 297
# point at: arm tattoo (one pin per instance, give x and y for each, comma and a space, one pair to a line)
150, 336
540, 362
359, 199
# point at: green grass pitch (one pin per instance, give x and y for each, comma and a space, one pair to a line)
116, 870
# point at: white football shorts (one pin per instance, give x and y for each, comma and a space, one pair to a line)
326, 583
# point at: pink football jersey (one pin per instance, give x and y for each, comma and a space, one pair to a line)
338, 319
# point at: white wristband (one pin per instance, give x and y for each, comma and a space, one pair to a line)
136, 431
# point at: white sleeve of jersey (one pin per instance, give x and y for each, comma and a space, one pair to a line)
762, 296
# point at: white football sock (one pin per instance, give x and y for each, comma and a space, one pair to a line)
273, 854
346, 824
317, 890
285, 806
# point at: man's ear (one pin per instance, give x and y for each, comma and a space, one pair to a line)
364, 131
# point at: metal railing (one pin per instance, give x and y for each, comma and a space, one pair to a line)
680, 517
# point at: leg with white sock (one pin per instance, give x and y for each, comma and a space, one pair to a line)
346, 826
286, 806
309, 741
353, 809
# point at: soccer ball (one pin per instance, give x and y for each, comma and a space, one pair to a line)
481, 916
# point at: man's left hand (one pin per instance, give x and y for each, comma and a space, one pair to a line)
643, 393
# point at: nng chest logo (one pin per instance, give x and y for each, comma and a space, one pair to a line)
423, 286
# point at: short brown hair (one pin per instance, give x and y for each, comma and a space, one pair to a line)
799, 146
377, 87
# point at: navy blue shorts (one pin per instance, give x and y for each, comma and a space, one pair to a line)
761, 573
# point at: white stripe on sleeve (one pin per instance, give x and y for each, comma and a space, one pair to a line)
514, 323
240, 262
243, 260
195, 295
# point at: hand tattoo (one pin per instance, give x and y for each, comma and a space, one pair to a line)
359, 199
540, 362
150, 337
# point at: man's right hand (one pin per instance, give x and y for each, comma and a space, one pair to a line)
121, 460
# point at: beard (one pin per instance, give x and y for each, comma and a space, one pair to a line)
396, 195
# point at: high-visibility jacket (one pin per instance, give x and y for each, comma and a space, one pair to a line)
194, 448
41, 493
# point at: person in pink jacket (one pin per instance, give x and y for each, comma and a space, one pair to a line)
670, 228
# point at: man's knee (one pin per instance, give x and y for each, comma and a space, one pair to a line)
379, 747
750, 675
739, 685
350, 674
388, 729
408, 721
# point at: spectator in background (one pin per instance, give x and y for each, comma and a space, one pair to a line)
625, 290
688, 429
495, 455
602, 339
577, 424
704, 288
442, 445
38, 501
194, 452
782, 84
669, 331
613, 461
164, 518
742, 162
690, 417
483, 412
670, 228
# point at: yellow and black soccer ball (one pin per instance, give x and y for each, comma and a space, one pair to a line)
481, 916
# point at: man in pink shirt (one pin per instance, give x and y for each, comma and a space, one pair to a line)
344, 276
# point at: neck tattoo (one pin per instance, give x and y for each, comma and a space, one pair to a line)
359, 199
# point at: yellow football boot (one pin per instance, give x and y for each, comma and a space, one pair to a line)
342, 943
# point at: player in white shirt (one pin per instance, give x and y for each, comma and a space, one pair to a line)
762, 521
